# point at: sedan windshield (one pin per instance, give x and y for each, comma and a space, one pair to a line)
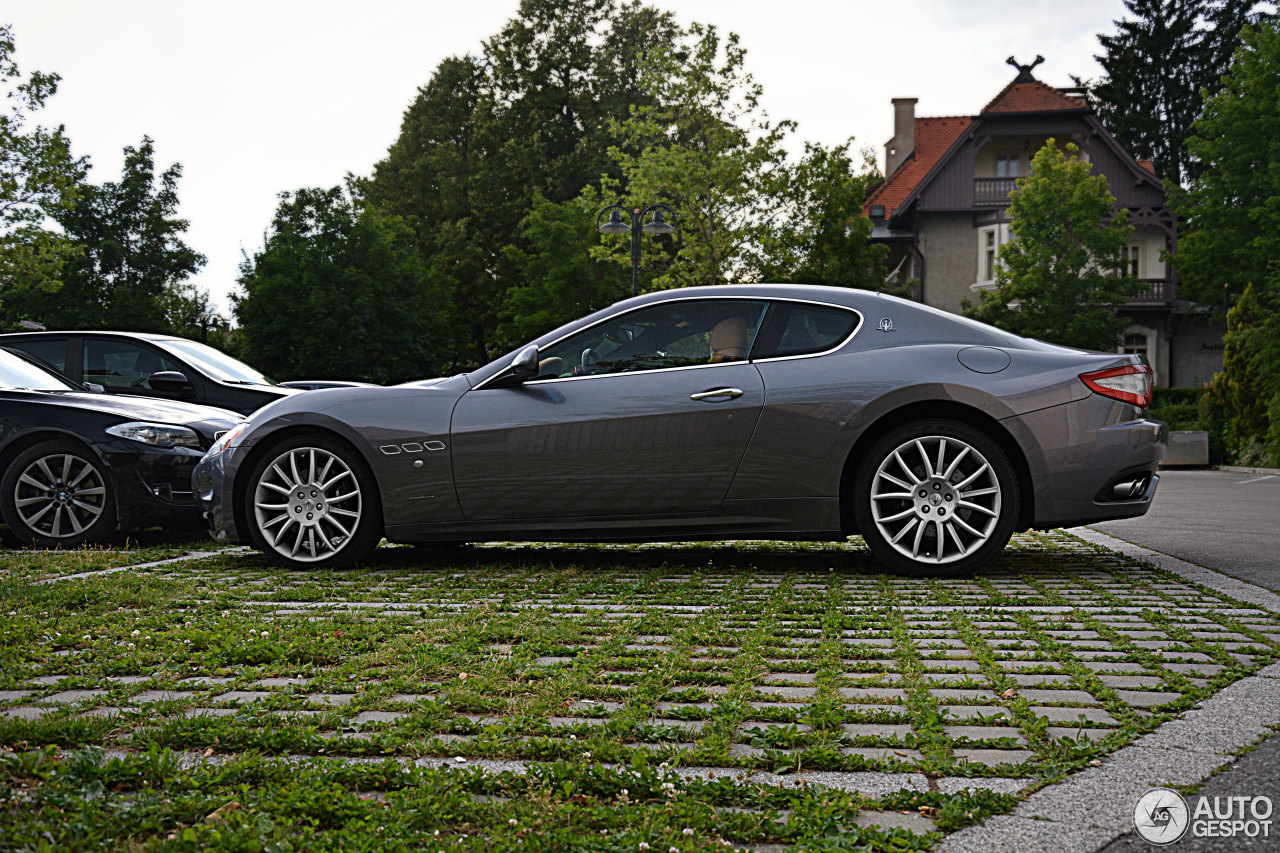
217, 364
16, 372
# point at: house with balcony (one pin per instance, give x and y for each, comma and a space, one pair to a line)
943, 211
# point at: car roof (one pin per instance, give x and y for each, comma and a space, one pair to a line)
145, 336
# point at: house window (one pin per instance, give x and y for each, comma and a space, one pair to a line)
1006, 165
1135, 344
990, 239
1131, 255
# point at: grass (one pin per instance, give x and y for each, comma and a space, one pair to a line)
640, 691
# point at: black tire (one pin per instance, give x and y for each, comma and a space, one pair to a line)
58, 494
969, 501
338, 524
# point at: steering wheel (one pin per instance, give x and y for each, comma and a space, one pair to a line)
589, 361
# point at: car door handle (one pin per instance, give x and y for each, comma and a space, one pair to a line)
731, 393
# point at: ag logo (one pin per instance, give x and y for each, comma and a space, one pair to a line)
1161, 816
886, 325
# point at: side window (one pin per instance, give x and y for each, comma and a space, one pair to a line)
672, 334
799, 328
52, 351
120, 365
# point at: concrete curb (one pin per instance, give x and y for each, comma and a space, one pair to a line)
1246, 469
1093, 808
1215, 580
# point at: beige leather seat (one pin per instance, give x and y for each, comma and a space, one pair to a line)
729, 340
552, 366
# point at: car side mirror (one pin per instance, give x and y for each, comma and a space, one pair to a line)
170, 381
523, 366
93, 387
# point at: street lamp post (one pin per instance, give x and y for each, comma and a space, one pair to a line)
617, 225
204, 323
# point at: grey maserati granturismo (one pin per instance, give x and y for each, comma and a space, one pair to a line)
788, 412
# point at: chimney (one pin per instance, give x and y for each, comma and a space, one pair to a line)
904, 134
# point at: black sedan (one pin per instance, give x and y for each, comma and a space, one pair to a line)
152, 365
761, 411
77, 464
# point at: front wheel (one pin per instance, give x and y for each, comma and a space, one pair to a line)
314, 504
936, 497
56, 494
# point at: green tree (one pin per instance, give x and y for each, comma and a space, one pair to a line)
489, 134
1056, 280
560, 279
1232, 209
826, 239
1231, 243
1248, 388
747, 211
338, 291
133, 265
708, 149
1158, 64
38, 181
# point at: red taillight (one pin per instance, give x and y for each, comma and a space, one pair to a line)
1130, 384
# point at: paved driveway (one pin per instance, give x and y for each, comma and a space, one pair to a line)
1224, 520
771, 665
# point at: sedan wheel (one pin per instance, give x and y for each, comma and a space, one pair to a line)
314, 504
937, 497
55, 494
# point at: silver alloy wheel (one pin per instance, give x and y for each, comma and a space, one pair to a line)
935, 499
307, 504
60, 495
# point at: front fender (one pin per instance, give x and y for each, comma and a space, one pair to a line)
401, 433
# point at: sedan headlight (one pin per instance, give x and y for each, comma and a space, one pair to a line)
156, 435
229, 438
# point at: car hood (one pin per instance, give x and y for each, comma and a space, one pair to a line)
133, 408
422, 383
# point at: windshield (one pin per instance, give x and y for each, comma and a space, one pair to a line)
214, 362
19, 373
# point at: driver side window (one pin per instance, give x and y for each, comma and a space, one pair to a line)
119, 365
672, 334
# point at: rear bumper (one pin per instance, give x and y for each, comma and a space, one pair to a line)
1079, 451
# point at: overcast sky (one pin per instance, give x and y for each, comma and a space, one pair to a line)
256, 98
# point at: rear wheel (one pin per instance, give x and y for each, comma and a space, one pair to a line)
313, 504
57, 494
936, 497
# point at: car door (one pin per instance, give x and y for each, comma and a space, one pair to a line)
123, 366
52, 350
649, 412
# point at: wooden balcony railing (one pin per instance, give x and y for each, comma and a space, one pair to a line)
992, 191
1157, 290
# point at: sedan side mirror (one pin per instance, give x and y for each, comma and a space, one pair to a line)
170, 381
93, 387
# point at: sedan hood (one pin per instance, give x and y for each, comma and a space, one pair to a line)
133, 408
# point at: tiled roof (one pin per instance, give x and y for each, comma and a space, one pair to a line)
933, 137
1034, 97
1148, 165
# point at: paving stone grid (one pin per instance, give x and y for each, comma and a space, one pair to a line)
1063, 649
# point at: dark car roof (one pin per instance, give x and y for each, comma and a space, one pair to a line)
145, 336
